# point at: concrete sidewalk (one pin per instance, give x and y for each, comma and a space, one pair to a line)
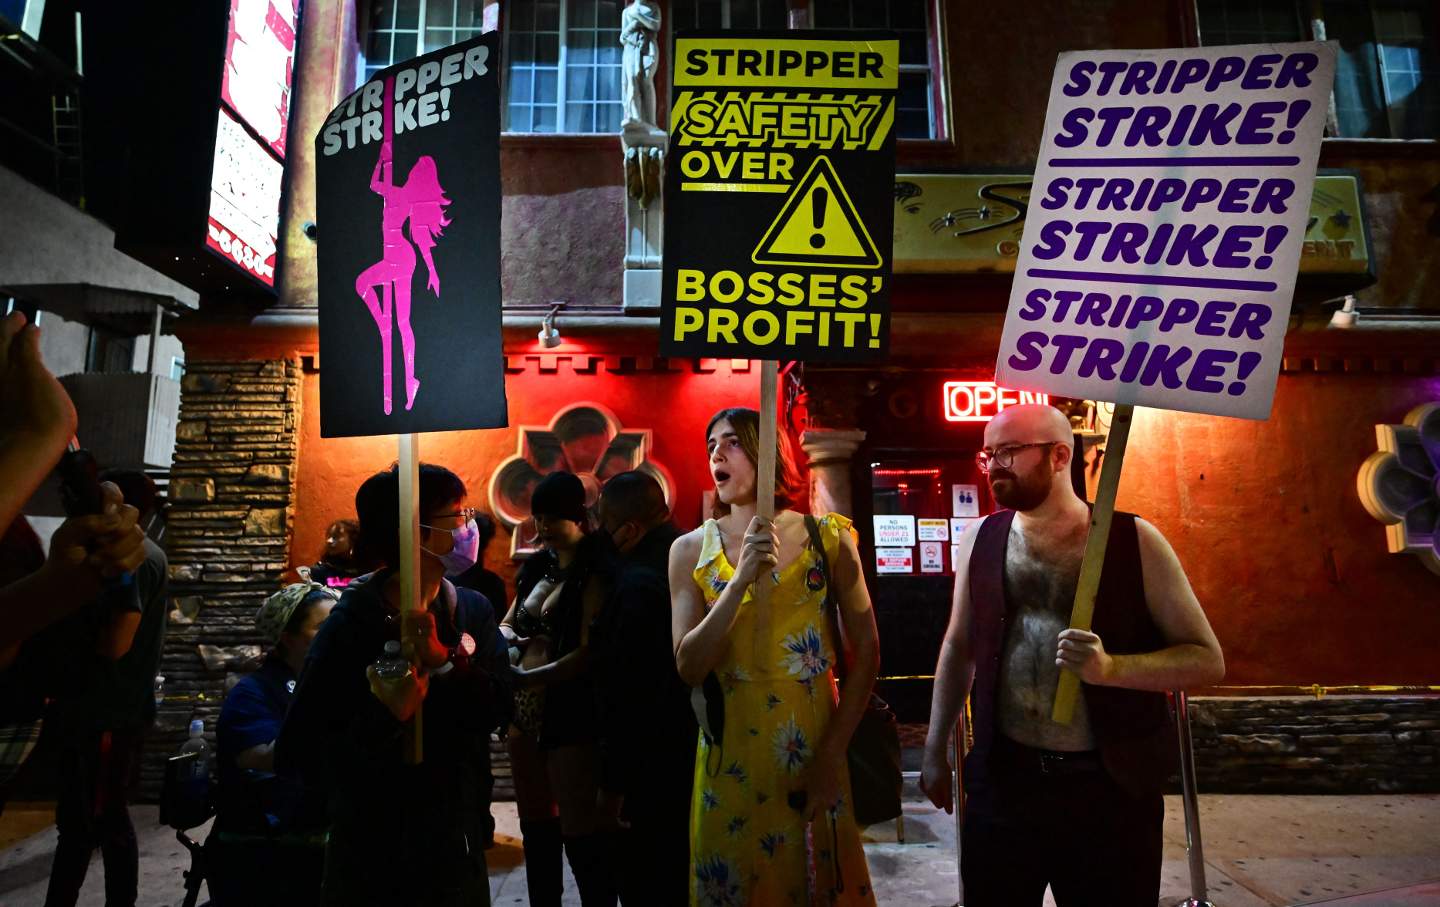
1260, 852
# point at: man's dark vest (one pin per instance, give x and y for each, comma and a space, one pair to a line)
1132, 727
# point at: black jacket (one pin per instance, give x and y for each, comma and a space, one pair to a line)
647, 728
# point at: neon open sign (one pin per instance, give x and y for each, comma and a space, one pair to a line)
981, 401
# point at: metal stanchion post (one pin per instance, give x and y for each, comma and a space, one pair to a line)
1194, 848
958, 797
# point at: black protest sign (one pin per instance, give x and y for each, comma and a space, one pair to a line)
407, 182
779, 186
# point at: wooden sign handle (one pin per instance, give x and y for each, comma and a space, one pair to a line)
409, 515
1101, 515
765, 494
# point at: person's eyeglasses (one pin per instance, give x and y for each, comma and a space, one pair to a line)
461, 517
1005, 455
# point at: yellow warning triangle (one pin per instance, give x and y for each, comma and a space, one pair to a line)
818, 225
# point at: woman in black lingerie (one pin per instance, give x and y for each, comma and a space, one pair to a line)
552, 743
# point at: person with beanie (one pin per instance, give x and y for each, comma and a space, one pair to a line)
250, 845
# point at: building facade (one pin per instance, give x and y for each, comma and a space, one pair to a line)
1331, 679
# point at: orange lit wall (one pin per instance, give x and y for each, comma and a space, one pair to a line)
1264, 516
674, 404
1293, 573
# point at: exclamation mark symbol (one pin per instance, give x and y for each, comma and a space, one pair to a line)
1248, 361
1273, 237
875, 331
1293, 116
444, 104
818, 200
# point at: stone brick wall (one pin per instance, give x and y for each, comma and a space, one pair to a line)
1342, 744
231, 499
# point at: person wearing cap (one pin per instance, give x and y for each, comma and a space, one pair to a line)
253, 841
553, 742
253, 711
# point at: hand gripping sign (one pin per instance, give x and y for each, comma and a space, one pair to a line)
1159, 258
779, 186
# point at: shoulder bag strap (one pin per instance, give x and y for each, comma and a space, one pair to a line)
831, 605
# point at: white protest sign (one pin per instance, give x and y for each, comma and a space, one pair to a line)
894, 529
1165, 226
894, 560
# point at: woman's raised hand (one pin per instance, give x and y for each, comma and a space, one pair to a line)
760, 551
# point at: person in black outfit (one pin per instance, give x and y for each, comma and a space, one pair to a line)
104, 704
648, 731
398, 833
490, 585
486, 582
553, 747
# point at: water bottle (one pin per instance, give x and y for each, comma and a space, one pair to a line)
195, 783
391, 666
196, 744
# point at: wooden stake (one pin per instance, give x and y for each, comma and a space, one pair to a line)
1101, 516
409, 515
765, 496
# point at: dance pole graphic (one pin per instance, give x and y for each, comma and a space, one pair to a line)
432, 118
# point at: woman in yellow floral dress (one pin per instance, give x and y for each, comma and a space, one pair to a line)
771, 824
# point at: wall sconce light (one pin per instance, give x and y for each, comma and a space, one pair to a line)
549, 335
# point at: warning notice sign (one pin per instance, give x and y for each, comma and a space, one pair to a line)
779, 192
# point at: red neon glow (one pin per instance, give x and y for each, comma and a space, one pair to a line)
907, 472
981, 401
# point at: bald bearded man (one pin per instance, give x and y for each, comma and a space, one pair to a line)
1078, 807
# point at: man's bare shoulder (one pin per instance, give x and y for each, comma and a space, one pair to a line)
966, 543
1152, 541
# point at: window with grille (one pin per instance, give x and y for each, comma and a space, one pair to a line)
401, 29
562, 57
918, 114
1387, 78
562, 66
727, 14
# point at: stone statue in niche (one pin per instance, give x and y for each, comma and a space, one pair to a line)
639, 26
643, 140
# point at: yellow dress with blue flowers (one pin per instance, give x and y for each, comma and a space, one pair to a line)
747, 845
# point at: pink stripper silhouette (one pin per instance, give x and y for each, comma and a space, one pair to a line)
421, 201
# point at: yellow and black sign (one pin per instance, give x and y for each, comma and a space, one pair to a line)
779, 193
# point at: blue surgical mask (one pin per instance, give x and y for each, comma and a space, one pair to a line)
463, 552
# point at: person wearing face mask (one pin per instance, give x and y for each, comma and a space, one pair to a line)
553, 742
647, 728
1046, 803
400, 833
